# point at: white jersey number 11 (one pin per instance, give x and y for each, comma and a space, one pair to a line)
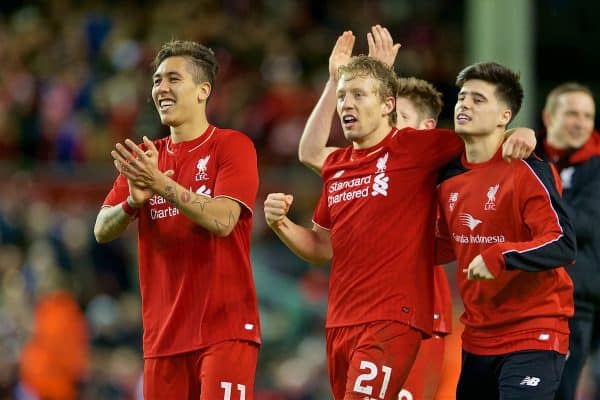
226, 386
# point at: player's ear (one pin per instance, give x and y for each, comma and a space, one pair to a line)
505, 117
204, 90
429, 123
389, 105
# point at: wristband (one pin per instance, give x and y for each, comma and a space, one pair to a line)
129, 210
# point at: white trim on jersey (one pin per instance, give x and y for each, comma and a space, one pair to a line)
238, 200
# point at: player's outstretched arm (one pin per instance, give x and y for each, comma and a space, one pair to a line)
313, 149
381, 45
313, 245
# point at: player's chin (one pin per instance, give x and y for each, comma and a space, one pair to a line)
576, 143
167, 120
351, 134
461, 130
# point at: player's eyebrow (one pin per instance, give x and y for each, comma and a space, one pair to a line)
472, 93
166, 73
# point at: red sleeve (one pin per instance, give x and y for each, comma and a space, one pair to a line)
551, 241
321, 214
237, 175
118, 193
436, 147
444, 253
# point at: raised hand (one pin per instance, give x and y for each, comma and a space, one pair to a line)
341, 53
277, 206
381, 45
139, 167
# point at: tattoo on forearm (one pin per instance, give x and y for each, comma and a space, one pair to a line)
186, 196
202, 201
230, 222
116, 221
170, 194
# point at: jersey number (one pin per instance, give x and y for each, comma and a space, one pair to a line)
226, 386
405, 395
359, 387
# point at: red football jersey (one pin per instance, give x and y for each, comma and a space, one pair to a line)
511, 214
379, 204
197, 288
442, 302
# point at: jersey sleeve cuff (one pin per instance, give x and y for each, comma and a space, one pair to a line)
494, 260
133, 212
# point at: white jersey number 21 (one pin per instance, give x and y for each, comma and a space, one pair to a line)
360, 387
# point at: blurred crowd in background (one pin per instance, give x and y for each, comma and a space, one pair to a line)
75, 78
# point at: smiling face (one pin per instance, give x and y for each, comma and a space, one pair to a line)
363, 113
478, 111
177, 97
571, 123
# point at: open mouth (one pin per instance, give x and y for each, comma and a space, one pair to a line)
349, 120
165, 104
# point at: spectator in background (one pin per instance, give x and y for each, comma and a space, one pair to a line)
54, 361
574, 147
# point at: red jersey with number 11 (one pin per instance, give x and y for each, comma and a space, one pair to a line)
197, 288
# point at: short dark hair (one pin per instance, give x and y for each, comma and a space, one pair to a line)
508, 87
202, 58
368, 66
424, 96
568, 87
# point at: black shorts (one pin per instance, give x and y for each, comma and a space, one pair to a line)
523, 375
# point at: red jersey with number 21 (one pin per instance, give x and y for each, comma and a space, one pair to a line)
379, 204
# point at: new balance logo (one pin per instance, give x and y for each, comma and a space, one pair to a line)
339, 173
452, 199
530, 381
203, 191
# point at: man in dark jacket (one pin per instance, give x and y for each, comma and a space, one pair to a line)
574, 147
